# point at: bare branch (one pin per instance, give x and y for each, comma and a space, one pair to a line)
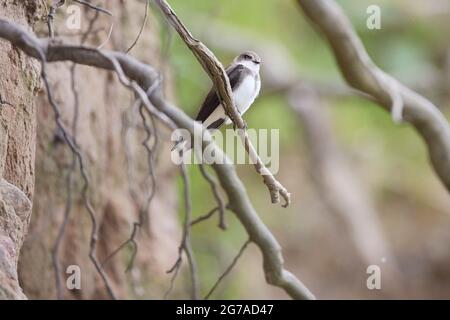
216, 72
362, 73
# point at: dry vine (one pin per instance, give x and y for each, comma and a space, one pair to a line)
71, 171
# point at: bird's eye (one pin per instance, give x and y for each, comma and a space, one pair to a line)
247, 57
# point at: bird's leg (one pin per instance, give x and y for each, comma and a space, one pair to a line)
245, 124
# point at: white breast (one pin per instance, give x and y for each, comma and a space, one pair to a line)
243, 96
246, 93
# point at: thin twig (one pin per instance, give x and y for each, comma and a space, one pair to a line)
185, 245
216, 72
147, 6
215, 189
174, 270
228, 269
102, 10
204, 217
88, 31
128, 122
186, 239
51, 16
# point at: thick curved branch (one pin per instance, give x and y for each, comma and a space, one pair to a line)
216, 72
362, 73
145, 76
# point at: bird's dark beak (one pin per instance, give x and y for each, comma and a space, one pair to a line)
256, 62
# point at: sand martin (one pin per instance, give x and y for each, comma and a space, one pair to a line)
245, 85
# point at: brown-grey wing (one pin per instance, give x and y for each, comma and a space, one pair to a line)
211, 102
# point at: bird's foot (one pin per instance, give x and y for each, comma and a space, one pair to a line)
245, 125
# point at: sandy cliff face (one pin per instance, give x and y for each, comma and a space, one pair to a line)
18, 86
34, 163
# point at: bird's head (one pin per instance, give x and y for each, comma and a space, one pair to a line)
249, 59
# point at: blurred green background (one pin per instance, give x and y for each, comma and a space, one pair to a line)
389, 160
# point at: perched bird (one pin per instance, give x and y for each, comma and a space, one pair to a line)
245, 85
